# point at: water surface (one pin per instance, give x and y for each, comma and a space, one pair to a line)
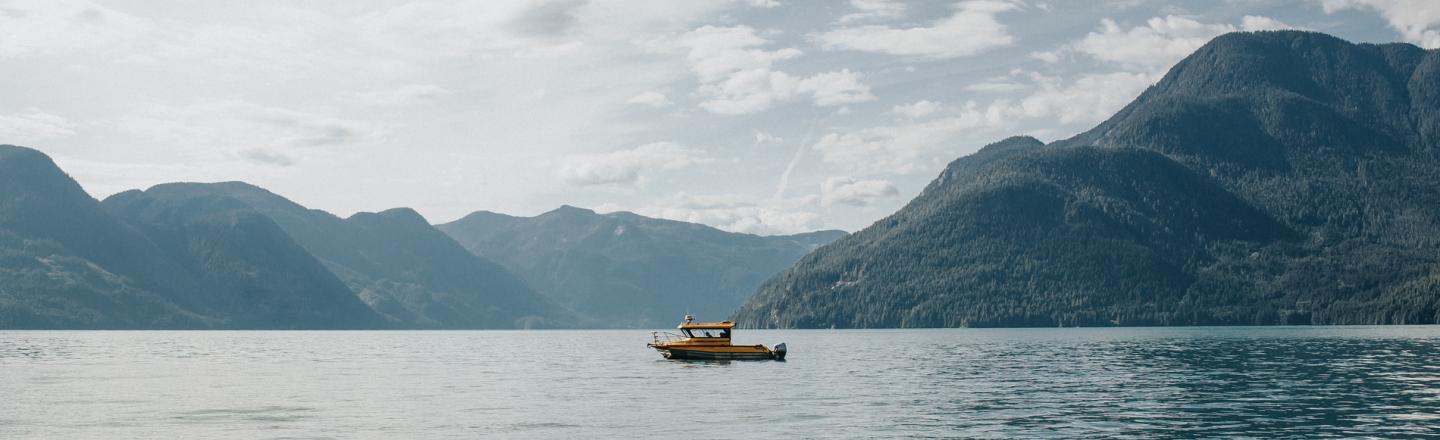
1002, 383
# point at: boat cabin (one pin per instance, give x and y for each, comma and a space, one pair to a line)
708, 330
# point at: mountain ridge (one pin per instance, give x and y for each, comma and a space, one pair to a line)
622, 269
396, 262
254, 274
71, 263
1315, 150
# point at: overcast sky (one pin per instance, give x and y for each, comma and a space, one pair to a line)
762, 116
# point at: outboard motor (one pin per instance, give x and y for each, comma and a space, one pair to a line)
779, 351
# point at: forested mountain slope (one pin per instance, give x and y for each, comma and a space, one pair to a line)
411, 274
65, 262
250, 272
1269, 178
626, 270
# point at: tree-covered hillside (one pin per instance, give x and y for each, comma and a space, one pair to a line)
626, 270
407, 271
1269, 178
65, 262
252, 275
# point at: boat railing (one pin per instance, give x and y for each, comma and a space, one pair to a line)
658, 337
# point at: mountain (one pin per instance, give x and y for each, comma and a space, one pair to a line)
1269, 178
66, 262
253, 275
399, 265
626, 270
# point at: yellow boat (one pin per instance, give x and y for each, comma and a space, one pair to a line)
709, 341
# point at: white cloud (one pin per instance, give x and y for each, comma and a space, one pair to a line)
994, 87
651, 99
767, 4
835, 88
717, 53
737, 76
711, 201
1143, 53
911, 146
285, 43
266, 156
1161, 42
282, 49
748, 91
444, 29
1416, 20
627, 167
406, 94
548, 51
1124, 4
33, 126
762, 138
917, 109
738, 213
259, 133
928, 134
49, 27
1090, 99
972, 29
1252, 23
770, 221
1048, 56
1156, 45
860, 193
101, 178
867, 10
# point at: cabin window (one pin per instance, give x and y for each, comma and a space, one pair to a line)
708, 332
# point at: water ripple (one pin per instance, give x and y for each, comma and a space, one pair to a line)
1308, 382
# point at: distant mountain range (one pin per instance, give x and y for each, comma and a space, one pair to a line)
66, 262
235, 256
1269, 178
405, 270
625, 270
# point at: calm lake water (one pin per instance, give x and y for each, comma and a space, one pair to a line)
1067, 383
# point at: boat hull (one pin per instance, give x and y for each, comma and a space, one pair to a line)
679, 353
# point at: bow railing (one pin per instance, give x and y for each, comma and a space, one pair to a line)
658, 337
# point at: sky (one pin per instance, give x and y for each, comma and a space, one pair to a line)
757, 116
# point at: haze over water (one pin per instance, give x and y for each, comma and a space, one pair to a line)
1066, 383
